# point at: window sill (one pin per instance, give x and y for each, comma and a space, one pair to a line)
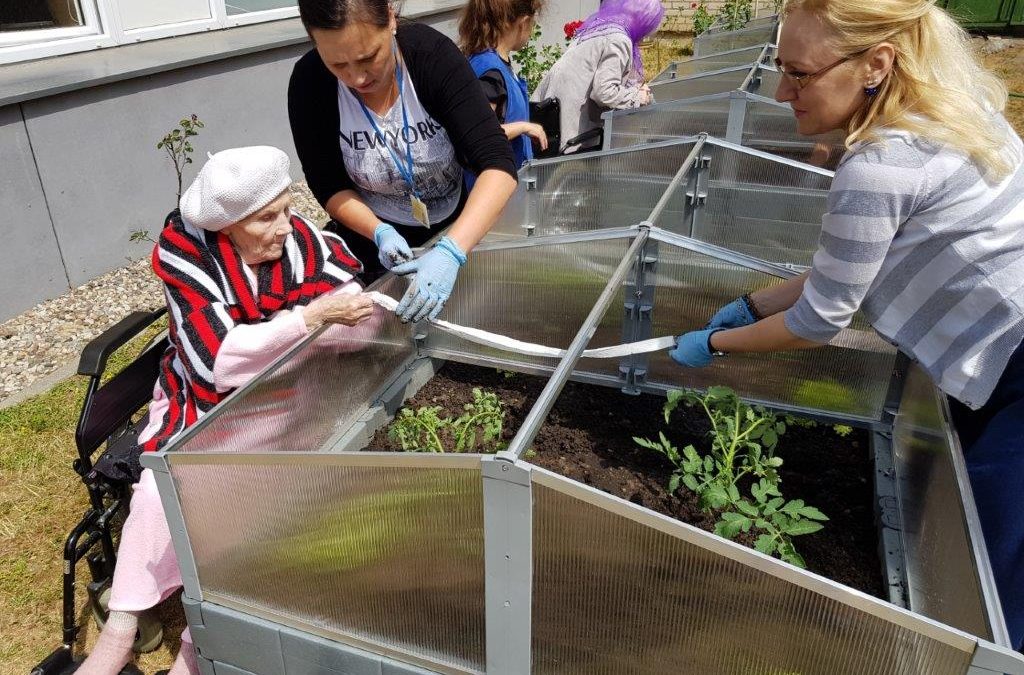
62, 74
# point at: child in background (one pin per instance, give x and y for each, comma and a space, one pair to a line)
488, 31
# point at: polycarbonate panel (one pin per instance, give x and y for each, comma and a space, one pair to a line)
696, 66
716, 42
765, 83
321, 388
702, 85
390, 555
667, 121
600, 190
761, 207
771, 127
539, 294
842, 381
612, 595
932, 514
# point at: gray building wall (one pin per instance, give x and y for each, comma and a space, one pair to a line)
79, 168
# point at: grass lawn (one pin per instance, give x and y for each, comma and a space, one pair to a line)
41, 497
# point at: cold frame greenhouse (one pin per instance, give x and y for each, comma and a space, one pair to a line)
303, 553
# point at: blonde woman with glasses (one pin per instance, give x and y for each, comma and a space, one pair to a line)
924, 232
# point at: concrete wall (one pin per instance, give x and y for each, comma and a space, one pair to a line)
80, 170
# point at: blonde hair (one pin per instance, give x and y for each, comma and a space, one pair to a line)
937, 88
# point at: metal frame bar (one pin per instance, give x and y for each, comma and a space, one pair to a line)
158, 463
673, 185
637, 325
664, 106
508, 565
753, 152
602, 234
547, 397
590, 156
737, 116
698, 76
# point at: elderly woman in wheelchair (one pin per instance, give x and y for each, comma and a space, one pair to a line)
245, 279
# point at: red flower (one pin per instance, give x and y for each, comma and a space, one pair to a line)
693, 5
571, 28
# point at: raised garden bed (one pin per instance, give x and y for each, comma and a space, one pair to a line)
588, 437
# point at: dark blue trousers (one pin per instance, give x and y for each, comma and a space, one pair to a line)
993, 442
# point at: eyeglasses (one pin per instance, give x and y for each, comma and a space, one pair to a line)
801, 80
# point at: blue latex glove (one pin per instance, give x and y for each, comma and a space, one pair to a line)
435, 277
392, 248
733, 315
692, 349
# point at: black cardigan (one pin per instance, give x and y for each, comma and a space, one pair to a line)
446, 86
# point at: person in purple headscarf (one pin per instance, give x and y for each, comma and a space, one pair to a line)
602, 69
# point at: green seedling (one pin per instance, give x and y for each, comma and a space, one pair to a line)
480, 424
743, 440
419, 430
778, 521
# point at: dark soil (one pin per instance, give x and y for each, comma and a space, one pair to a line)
588, 437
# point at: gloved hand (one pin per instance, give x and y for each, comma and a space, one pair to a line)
435, 277
392, 248
733, 315
693, 349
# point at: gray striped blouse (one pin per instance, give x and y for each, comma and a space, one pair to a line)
931, 251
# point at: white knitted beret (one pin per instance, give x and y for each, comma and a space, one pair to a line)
233, 184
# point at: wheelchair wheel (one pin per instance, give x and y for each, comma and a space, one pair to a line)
150, 633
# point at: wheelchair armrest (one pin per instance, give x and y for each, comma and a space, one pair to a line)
94, 357
597, 133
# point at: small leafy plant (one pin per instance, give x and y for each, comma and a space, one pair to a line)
177, 145
743, 443
702, 18
743, 440
481, 424
534, 61
419, 430
735, 14
479, 427
778, 521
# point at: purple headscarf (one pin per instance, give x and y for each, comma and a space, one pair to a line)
636, 18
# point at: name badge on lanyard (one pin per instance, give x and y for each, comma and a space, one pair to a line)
405, 168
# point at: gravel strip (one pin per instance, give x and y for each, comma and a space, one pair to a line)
53, 333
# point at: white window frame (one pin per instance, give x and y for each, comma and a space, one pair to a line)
103, 29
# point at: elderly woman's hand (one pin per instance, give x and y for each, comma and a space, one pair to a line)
345, 309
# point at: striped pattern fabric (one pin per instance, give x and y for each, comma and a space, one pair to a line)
208, 293
932, 252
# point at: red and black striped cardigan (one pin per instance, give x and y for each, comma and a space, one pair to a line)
208, 294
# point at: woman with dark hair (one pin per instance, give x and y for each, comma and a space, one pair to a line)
385, 115
602, 69
488, 31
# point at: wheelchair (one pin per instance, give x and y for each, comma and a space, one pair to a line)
111, 418
546, 113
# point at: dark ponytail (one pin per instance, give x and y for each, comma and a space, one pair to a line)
332, 14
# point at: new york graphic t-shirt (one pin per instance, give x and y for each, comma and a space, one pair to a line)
436, 173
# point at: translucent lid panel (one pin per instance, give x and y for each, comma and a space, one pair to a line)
389, 554
849, 381
768, 209
322, 387
536, 294
612, 595
771, 127
666, 121
702, 85
600, 190
715, 42
696, 66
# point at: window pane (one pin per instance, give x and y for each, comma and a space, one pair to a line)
40, 14
151, 13
244, 6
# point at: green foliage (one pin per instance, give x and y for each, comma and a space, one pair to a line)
735, 14
743, 443
825, 395
481, 424
776, 519
743, 440
178, 147
478, 428
534, 61
842, 430
419, 430
507, 374
702, 18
